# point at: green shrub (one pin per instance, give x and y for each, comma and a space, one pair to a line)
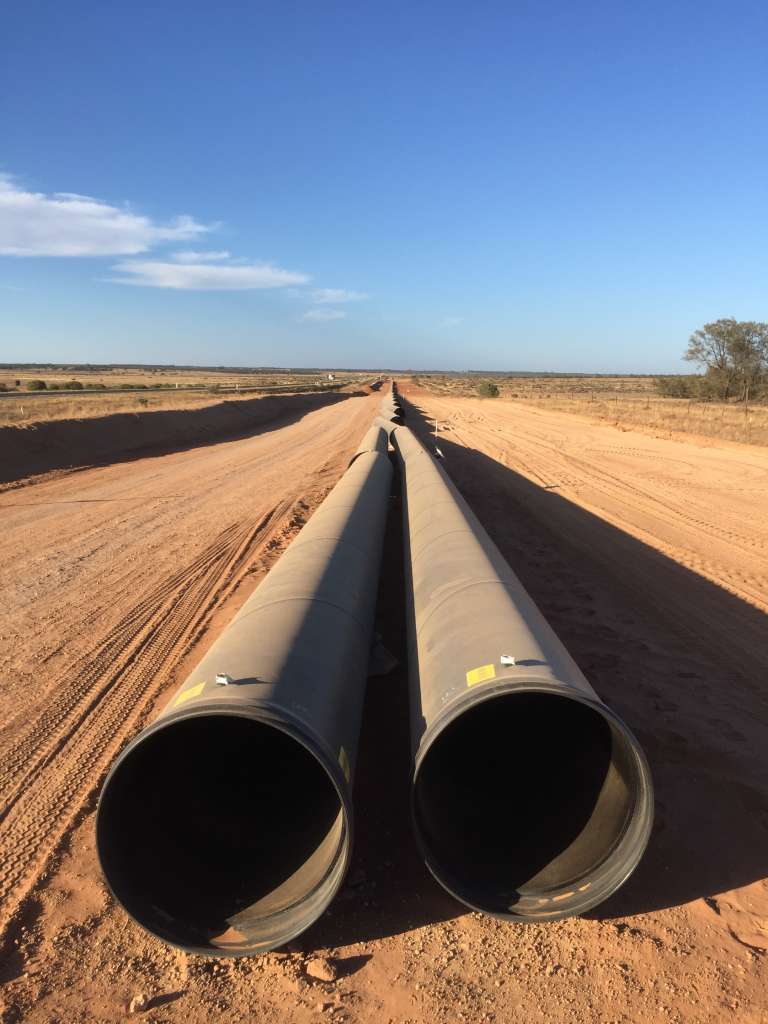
487, 389
674, 387
36, 385
707, 387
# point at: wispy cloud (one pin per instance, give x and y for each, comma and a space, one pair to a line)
451, 321
321, 315
205, 276
68, 224
192, 256
334, 295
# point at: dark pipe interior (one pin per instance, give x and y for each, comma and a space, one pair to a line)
210, 827
524, 795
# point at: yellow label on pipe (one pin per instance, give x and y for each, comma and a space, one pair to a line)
344, 762
189, 693
481, 675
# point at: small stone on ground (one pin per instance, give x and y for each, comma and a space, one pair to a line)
322, 969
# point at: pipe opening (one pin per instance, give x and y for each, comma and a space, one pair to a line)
222, 833
527, 805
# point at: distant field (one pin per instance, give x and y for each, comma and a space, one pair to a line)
623, 401
17, 378
536, 385
154, 390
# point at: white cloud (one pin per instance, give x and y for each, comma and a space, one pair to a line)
337, 295
71, 224
204, 276
451, 321
190, 256
67, 224
320, 315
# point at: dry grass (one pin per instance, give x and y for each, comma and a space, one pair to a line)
28, 407
22, 410
624, 401
532, 387
729, 421
119, 377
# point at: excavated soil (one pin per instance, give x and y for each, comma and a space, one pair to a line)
63, 444
648, 556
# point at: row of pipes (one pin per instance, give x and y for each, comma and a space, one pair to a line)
225, 827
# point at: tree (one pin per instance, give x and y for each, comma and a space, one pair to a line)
674, 387
733, 354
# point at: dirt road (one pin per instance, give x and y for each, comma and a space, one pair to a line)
650, 559
704, 506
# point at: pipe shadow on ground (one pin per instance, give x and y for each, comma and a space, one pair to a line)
72, 445
680, 658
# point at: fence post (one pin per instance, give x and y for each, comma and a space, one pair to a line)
746, 413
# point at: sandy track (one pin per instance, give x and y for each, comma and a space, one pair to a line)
111, 576
702, 505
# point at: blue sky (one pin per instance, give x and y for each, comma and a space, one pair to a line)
562, 186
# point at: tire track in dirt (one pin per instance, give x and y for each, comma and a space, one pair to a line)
611, 485
56, 765
550, 463
693, 539
92, 674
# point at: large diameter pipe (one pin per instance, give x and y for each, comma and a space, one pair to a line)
531, 799
389, 410
386, 425
225, 826
375, 439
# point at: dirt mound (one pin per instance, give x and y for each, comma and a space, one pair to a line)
67, 444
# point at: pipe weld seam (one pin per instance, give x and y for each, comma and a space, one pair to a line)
453, 593
306, 600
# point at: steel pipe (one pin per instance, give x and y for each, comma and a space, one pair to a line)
375, 439
386, 425
225, 826
531, 799
390, 410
